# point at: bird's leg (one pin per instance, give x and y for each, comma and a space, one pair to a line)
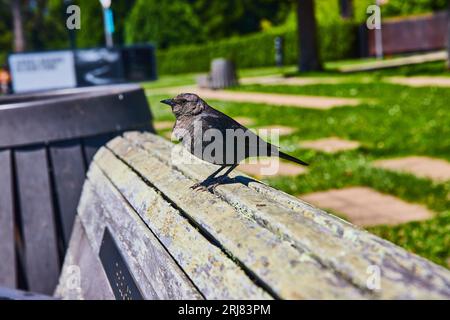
220, 179
210, 177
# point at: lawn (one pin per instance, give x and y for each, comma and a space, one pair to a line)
394, 121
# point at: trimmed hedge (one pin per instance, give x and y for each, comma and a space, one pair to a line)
336, 42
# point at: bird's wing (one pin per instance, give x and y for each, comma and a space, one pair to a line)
244, 142
216, 119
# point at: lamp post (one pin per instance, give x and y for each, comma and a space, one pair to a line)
108, 22
379, 36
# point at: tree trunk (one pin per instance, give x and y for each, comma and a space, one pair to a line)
19, 40
346, 8
309, 59
448, 37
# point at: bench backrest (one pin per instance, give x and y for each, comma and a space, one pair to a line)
47, 141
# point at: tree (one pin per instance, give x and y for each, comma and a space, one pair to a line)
19, 39
121, 10
6, 36
164, 23
221, 19
346, 8
309, 59
91, 33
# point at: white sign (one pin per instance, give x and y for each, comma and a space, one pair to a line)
42, 71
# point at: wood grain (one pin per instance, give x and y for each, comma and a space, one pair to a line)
68, 176
82, 276
213, 272
7, 252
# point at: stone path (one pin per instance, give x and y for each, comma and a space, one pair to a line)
314, 102
330, 145
366, 207
271, 167
425, 167
420, 81
292, 81
163, 125
395, 62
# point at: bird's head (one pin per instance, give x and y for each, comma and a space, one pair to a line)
186, 104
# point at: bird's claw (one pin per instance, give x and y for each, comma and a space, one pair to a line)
198, 186
212, 187
203, 186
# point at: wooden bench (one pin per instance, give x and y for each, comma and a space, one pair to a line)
222, 75
142, 233
47, 141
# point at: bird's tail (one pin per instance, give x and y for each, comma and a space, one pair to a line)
285, 156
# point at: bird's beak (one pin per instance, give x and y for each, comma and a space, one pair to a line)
167, 101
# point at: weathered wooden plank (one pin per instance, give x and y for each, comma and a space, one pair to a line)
289, 272
41, 255
92, 216
338, 245
11, 294
156, 273
7, 253
68, 176
82, 276
214, 274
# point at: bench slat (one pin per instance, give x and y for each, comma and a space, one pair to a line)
68, 174
92, 144
222, 279
41, 254
7, 252
157, 275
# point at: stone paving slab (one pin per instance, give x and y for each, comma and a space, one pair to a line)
367, 207
395, 62
420, 81
166, 125
271, 167
291, 81
330, 145
283, 100
424, 167
266, 131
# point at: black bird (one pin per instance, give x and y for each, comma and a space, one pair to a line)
215, 137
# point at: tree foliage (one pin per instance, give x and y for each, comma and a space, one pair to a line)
169, 23
5, 30
222, 19
164, 22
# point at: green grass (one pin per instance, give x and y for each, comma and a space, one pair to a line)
398, 121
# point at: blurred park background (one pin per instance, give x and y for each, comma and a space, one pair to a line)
376, 130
